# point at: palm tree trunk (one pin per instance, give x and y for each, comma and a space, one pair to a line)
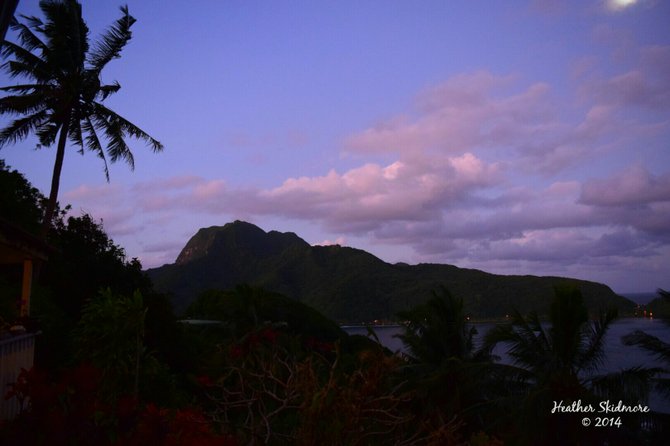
55, 178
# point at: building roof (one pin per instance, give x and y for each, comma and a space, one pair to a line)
16, 245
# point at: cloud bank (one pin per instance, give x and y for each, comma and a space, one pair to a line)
482, 170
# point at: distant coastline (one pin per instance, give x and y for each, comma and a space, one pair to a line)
640, 298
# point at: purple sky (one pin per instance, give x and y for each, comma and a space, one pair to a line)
517, 137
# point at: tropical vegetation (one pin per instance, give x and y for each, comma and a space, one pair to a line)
115, 366
62, 96
558, 361
653, 345
441, 361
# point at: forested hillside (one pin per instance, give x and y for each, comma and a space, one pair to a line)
348, 284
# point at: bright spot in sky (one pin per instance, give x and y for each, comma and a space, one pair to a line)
618, 5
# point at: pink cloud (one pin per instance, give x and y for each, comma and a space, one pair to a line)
209, 189
632, 187
463, 113
93, 194
342, 241
176, 182
489, 115
645, 84
155, 202
368, 196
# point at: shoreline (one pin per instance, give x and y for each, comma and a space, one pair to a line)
473, 321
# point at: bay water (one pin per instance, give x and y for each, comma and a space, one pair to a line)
617, 355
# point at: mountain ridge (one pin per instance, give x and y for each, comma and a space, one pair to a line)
349, 284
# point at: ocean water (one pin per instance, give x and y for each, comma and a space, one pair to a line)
618, 355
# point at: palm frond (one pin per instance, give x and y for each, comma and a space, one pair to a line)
93, 143
48, 132
107, 90
33, 22
23, 104
437, 330
567, 314
112, 42
28, 38
531, 345
126, 126
21, 69
75, 134
509, 379
662, 385
114, 134
504, 334
535, 327
26, 88
24, 56
593, 355
650, 343
67, 35
500, 334
627, 385
19, 129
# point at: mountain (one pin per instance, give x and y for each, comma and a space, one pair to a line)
348, 284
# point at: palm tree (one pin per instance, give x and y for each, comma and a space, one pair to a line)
559, 363
658, 422
63, 94
654, 345
437, 330
446, 372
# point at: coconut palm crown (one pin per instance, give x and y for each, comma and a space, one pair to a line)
562, 360
62, 96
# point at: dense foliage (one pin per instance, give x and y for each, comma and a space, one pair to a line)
19, 201
67, 409
244, 308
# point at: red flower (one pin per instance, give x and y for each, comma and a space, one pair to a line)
126, 406
205, 381
237, 351
314, 344
270, 335
86, 377
253, 339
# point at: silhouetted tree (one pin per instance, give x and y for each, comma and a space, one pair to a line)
19, 200
658, 424
559, 363
443, 367
62, 99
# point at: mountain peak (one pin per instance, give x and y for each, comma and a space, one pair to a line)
234, 237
